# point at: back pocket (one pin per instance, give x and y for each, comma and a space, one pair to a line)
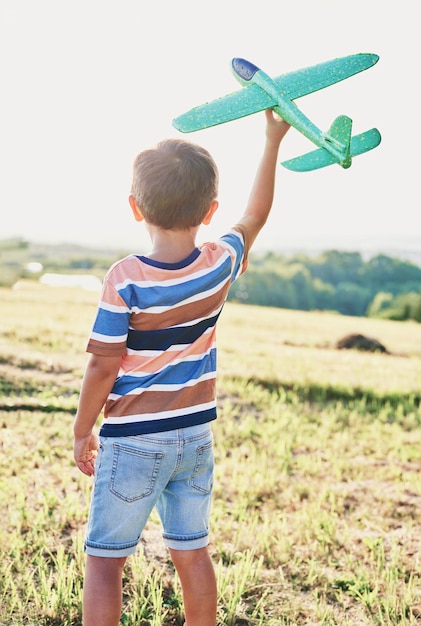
134, 472
202, 477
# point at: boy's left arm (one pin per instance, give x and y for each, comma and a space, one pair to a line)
98, 381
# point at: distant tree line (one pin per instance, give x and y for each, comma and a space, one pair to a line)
17, 255
383, 286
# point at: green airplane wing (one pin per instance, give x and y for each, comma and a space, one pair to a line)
302, 82
252, 99
321, 158
225, 109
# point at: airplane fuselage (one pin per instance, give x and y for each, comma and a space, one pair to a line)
247, 73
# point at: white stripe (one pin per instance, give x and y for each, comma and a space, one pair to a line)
113, 308
146, 417
108, 338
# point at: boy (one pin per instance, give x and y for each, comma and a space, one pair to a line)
153, 366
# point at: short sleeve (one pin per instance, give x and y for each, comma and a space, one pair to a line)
111, 326
235, 240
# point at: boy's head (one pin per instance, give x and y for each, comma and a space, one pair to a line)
174, 184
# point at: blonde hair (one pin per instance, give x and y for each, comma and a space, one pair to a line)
174, 184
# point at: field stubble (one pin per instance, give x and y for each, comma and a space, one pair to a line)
316, 516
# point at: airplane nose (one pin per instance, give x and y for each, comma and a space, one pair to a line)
244, 69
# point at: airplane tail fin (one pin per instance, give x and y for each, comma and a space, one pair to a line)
339, 137
343, 147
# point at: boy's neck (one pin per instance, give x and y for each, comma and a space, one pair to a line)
171, 246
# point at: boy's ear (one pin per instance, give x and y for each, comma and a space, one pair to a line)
211, 211
136, 211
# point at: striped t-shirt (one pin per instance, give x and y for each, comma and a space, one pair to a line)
161, 318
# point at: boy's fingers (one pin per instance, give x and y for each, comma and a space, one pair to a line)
87, 467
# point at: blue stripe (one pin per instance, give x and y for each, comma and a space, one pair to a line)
158, 425
163, 338
111, 323
178, 374
169, 295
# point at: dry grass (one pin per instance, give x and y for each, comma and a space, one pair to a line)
299, 347
318, 480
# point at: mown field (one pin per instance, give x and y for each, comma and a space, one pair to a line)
317, 505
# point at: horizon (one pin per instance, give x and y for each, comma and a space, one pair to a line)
405, 249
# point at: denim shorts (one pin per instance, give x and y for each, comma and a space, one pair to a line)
172, 471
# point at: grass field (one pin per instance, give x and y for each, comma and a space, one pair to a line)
316, 517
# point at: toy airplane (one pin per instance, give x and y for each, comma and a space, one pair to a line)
262, 92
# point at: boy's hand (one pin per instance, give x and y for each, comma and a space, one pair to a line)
85, 452
276, 127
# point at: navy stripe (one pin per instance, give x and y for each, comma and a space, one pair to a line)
158, 425
163, 338
171, 266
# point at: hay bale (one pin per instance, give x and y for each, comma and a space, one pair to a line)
361, 342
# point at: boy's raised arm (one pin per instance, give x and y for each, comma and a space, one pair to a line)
262, 192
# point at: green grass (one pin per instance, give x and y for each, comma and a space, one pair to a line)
318, 483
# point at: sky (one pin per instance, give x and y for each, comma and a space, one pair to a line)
87, 84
